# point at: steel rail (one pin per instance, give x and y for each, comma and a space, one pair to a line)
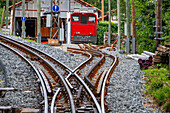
36, 71
50, 66
104, 83
53, 100
41, 52
89, 92
83, 63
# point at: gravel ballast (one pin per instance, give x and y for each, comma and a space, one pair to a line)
71, 61
21, 77
125, 90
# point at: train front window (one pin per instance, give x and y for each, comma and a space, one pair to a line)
83, 19
92, 19
75, 18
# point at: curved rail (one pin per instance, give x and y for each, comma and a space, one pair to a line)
36, 71
90, 92
104, 84
41, 52
53, 100
50, 66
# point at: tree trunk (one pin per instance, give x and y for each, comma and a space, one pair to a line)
158, 21
13, 17
102, 10
133, 23
2, 19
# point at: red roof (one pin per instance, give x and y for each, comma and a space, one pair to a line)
18, 3
83, 2
15, 4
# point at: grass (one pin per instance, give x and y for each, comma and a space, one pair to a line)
158, 86
25, 38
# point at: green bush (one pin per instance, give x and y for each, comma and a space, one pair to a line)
103, 27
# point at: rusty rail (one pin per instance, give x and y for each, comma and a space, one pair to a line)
104, 83
47, 64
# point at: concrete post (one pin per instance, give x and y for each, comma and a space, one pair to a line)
39, 21
128, 25
127, 46
51, 19
133, 45
23, 22
119, 32
7, 5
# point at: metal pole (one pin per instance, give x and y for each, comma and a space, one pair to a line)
109, 34
102, 10
23, 22
128, 24
39, 21
119, 32
2, 17
13, 18
7, 5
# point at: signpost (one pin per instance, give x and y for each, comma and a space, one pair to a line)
23, 18
55, 8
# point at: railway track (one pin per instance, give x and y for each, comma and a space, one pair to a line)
70, 90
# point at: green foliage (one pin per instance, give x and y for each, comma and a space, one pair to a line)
166, 107
103, 27
145, 17
158, 85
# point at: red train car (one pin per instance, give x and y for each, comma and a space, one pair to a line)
83, 27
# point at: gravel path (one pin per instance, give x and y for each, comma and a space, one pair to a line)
21, 77
124, 92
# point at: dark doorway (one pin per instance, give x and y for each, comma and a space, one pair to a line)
30, 27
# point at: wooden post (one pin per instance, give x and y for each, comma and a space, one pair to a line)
23, 22
158, 22
13, 18
109, 34
133, 24
7, 5
2, 19
39, 21
102, 10
119, 32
